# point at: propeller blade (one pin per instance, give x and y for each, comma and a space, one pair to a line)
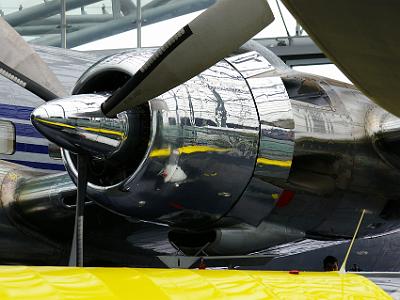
76, 257
22, 65
210, 37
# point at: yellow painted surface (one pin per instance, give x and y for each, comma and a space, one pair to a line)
20, 282
99, 130
55, 123
273, 162
106, 131
275, 196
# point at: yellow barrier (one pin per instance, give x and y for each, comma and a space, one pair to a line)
20, 282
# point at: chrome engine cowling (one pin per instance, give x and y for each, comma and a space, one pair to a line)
202, 148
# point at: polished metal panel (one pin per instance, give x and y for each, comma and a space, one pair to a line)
78, 124
42, 199
335, 171
127, 62
255, 204
202, 151
274, 109
251, 64
276, 146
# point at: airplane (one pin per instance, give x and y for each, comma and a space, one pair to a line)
222, 151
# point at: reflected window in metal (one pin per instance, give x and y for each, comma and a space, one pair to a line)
306, 90
7, 137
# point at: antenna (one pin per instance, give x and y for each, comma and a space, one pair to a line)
343, 267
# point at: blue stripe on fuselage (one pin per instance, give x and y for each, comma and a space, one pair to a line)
38, 165
27, 130
15, 111
18, 112
22, 147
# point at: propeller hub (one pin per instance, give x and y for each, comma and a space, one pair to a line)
77, 124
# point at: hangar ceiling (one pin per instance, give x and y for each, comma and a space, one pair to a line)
70, 23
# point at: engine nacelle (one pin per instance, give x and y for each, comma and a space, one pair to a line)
210, 143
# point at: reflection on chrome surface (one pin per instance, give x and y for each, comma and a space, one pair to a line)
274, 109
202, 149
205, 136
78, 124
230, 146
276, 144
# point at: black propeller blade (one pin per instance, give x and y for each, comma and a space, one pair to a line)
76, 257
210, 37
27, 83
20, 63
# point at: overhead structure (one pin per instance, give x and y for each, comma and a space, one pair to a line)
115, 26
43, 10
296, 50
42, 22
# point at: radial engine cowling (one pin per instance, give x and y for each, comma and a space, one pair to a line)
191, 153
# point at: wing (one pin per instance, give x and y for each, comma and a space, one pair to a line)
362, 38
